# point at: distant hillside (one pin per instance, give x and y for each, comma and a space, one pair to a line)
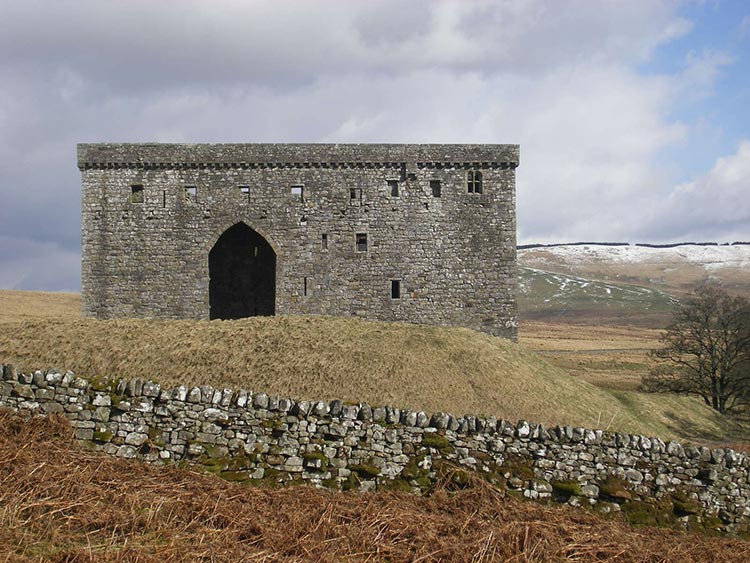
562, 297
672, 269
622, 284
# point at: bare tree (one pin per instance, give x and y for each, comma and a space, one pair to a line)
706, 351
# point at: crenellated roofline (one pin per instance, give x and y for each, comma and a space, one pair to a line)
278, 155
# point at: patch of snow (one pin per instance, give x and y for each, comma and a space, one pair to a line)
710, 257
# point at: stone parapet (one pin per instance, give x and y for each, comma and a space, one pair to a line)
145, 155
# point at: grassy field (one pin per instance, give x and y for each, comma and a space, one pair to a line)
567, 298
611, 357
426, 368
63, 504
18, 306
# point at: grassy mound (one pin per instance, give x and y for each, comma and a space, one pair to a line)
424, 368
65, 504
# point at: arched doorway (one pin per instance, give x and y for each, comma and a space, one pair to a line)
242, 275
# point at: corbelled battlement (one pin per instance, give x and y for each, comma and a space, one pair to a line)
156, 155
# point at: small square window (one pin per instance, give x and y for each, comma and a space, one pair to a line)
361, 242
298, 192
395, 289
474, 181
435, 188
136, 193
393, 184
352, 194
191, 194
244, 191
324, 241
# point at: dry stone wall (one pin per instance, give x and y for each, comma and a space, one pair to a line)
253, 437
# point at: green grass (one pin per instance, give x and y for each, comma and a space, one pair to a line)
563, 296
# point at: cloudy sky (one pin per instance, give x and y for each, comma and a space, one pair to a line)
633, 116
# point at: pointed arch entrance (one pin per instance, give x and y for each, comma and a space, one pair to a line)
242, 275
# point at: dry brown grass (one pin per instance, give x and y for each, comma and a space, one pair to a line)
428, 368
424, 368
611, 357
32, 305
61, 504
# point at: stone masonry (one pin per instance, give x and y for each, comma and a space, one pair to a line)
416, 233
252, 437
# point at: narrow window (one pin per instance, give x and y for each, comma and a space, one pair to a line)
298, 192
304, 287
164, 198
191, 194
352, 194
395, 289
324, 241
435, 188
474, 181
136, 193
393, 184
361, 242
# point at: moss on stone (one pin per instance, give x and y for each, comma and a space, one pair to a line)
236, 476
365, 470
614, 488
644, 513
156, 437
566, 488
351, 483
440, 443
214, 451
684, 505
313, 456
214, 465
102, 384
398, 484
239, 463
423, 483
103, 435
272, 423
273, 475
412, 470
331, 483
517, 466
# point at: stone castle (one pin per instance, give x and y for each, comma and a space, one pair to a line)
414, 233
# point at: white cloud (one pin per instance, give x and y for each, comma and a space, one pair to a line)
700, 73
745, 25
558, 77
715, 204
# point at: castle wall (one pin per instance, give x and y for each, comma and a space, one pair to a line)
453, 255
252, 437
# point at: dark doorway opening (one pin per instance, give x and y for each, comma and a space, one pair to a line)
242, 275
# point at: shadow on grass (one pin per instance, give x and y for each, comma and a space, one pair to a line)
734, 430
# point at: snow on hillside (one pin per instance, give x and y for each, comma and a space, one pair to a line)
550, 287
710, 257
